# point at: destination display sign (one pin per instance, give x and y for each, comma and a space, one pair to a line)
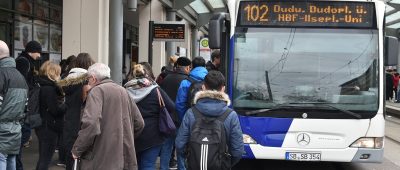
168, 32
307, 14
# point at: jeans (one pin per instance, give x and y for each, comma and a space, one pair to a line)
147, 158
26, 134
166, 151
7, 162
181, 160
47, 146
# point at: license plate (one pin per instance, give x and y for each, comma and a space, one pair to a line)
303, 156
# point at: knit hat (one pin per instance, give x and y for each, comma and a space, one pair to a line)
183, 61
33, 47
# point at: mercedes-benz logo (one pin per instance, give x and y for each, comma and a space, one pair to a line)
303, 139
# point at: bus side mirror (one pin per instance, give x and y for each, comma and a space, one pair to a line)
215, 30
391, 51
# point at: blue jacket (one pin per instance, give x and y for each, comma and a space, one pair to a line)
213, 103
198, 73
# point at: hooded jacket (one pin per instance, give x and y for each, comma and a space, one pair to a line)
72, 87
213, 104
198, 73
147, 101
13, 95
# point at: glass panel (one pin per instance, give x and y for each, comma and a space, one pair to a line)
199, 6
217, 3
281, 66
42, 9
41, 35
392, 17
24, 6
6, 4
22, 34
55, 38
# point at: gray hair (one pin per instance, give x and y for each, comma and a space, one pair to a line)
100, 71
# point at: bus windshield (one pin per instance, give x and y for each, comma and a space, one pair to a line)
303, 66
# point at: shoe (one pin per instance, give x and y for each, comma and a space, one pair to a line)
61, 164
173, 164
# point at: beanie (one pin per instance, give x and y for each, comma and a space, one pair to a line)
33, 47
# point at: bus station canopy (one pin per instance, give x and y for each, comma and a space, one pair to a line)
197, 12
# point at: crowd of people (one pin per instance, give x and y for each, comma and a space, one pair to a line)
99, 124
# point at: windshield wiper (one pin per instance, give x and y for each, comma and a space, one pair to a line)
356, 115
278, 107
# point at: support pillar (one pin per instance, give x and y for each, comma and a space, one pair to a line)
195, 44
116, 40
169, 45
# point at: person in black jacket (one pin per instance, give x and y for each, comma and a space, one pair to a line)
215, 61
170, 85
143, 90
72, 86
51, 112
26, 65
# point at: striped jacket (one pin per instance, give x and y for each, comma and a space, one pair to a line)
13, 95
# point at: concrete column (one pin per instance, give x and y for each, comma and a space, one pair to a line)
194, 43
85, 28
170, 46
116, 40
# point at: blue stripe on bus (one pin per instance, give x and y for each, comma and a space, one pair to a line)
230, 68
248, 153
266, 131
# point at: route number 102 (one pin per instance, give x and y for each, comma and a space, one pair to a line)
254, 11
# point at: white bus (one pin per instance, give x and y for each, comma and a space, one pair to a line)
306, 77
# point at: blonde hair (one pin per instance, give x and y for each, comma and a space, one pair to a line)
50, 70
139, 71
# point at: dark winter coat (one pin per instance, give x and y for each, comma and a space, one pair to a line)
210, 66
51, 106
13, 95
110, 121
26, 66
72, 88
147, 101
213, 104
170, 85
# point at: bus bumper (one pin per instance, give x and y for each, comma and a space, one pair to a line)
256, 151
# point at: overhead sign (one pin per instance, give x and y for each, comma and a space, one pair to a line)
168, 31
307, 14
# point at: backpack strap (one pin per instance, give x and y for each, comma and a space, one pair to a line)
225, 114
191, 80
197, 113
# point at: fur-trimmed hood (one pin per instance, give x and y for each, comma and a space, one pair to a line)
71, 81
212, 95
211, 103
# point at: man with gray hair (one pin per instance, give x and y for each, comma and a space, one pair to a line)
110, 121
13, 95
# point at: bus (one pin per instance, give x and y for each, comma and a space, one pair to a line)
306, 77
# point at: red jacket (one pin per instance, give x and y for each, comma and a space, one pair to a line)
395, 81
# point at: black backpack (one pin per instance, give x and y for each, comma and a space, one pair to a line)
207, 147
194, 87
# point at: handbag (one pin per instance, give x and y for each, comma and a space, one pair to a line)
166, 124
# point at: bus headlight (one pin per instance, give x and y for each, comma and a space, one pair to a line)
248, 139
375, 143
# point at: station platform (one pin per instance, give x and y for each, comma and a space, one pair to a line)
393, 108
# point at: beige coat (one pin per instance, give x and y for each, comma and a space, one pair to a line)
110, 121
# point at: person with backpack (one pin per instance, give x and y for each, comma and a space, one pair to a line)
26, 65
224, 146
186, 91
13, 94
189, 86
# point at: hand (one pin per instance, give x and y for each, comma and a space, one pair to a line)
73, 156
